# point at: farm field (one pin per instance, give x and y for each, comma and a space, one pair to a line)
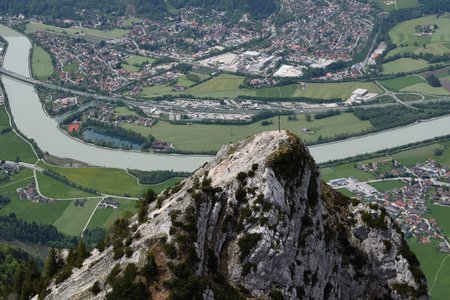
399, 83
4, 118
28, 211
41, 63
73, 219
105, 217
224, 85
425, 88
411, 157
13, 147
405, 33
52, 188
228, 86
389, 185
404, 65
202, 138
431, 263
75, 30
396, 4
108, 181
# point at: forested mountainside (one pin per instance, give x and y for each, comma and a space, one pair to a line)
65, 8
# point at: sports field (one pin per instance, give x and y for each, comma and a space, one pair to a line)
388, 185
75, 30
200, 137
41, 63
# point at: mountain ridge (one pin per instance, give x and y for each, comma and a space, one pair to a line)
256, 221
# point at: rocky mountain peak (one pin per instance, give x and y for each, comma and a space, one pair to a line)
256, 221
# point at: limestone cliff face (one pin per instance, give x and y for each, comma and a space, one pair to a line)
257, 222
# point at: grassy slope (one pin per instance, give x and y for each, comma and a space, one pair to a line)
198, 137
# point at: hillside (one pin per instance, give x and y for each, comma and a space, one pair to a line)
65, 8
256, 221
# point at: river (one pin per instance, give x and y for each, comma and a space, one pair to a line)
31, 120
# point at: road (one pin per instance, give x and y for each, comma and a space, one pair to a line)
225, 110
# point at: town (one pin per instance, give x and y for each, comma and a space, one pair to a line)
410, 191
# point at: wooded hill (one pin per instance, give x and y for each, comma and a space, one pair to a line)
66, 8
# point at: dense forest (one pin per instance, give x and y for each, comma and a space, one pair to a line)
66, 8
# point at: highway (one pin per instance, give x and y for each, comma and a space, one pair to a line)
225, 110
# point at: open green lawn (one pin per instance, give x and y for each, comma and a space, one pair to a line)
125, 111
388, 185
12, 147
227, 86
73, 219
105, 217
75, 30
71, 67
41, 63
432, 262
411, 157
400, 83
200, 137
404, 65
107, 180
52, 188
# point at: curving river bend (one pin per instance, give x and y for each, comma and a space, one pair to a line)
32, 121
